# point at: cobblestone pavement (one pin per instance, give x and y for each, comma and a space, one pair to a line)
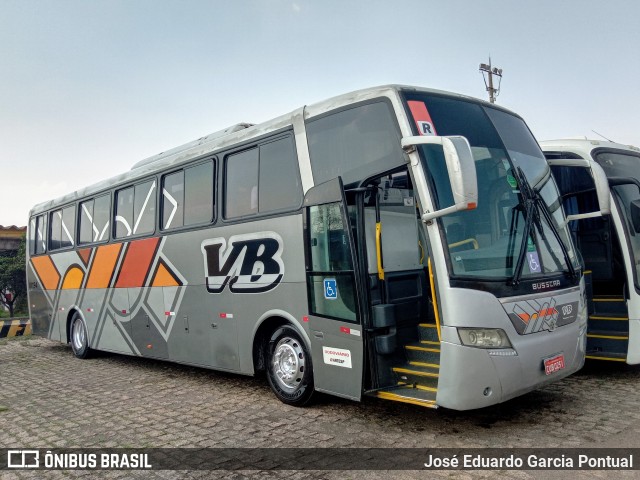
49, 399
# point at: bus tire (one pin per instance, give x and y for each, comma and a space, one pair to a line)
289, 368
79, 337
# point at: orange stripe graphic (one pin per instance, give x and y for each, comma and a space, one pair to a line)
85, 255
103, 265
47, 272
164, 278
136, 263
73, 279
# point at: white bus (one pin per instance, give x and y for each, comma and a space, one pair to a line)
397, 242
610, 245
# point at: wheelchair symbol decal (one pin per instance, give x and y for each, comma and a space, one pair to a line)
534, 262
330, 289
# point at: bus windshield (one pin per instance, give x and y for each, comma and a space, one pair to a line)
512, 233
627, 164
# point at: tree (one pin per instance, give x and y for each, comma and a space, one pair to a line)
13, 281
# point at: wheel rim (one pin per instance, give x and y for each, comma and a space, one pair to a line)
288, 363
79, 334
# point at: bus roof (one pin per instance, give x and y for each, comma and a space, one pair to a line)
237, 134
582, 146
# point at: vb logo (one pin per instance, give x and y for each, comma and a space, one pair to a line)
249, 263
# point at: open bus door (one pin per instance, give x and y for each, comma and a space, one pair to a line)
335, 315
584, 186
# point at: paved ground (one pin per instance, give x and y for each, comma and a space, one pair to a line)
49, 399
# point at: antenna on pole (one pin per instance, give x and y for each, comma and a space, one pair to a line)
607, 139
487, 75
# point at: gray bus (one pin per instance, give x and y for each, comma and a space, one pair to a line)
397, 242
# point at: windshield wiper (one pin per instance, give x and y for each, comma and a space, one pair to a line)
534, 205
528, 213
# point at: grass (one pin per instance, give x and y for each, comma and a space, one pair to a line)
4, 341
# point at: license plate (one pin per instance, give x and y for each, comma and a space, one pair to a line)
553, 364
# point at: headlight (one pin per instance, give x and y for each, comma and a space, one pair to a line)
484, 337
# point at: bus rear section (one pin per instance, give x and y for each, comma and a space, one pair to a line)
609, 245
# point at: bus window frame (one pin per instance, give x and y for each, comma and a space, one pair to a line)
73, 230
256, 143
119, 188
396, 118
109, 238
33, 251
214, 197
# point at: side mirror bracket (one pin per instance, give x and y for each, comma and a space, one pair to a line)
461, 169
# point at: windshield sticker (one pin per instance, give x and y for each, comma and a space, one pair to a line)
422, 117
534, 262
512, 181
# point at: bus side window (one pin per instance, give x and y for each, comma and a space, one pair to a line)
187, 196
198, 195
135, 209
280, 186
94, 220
172, 200
62, 228
241, 174
262, 179
37, 234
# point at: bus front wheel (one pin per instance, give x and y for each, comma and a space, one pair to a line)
79, 337
289, 368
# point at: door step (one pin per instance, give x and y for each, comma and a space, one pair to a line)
608, 356
609, 306
417, 376
407, 394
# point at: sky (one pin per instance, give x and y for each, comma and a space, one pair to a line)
90, 87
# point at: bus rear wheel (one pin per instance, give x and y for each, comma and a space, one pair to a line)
79, 337
289, 368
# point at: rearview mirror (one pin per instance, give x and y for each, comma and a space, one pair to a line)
461, 169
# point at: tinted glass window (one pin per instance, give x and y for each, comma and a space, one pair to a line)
136, 209
56, 230
32, 235
279, 180
68, 227
62, 227
101, 214
173, 200
241, 187
94, 220
86, 222
124, 213
198, 196
354, 143
331, 278
144, 208
41, 235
